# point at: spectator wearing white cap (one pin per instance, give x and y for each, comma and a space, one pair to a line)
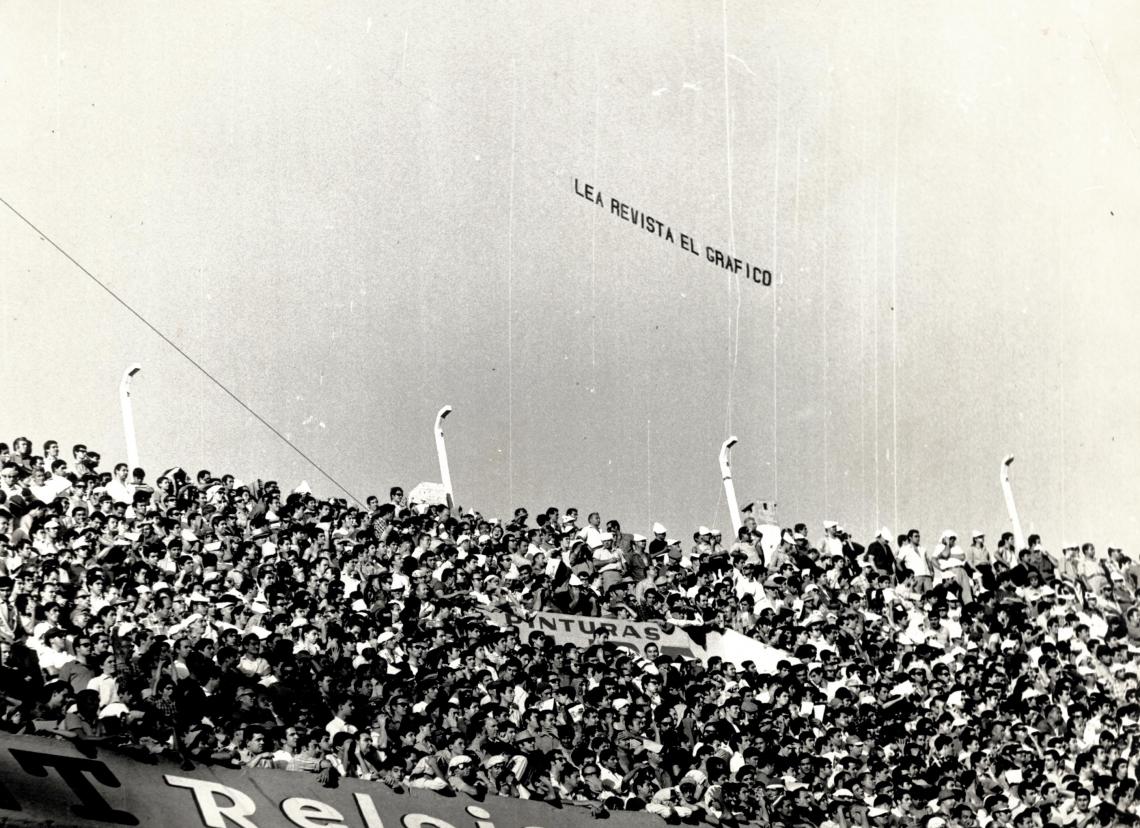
831, 543
980, 561
636, 560
881, 556
702, 543
950, 565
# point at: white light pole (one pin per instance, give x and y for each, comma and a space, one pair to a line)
128, 414
441, 450
729, 489
1011, 507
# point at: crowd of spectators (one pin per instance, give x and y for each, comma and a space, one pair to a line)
212, 621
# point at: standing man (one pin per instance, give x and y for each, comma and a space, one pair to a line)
882, 556
79, 455
397, 499
51, 452
831, 543
913, 557
119, 489
636, 561
9, 619
1090, 571
979, 561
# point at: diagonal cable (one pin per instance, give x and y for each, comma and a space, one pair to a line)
174, 345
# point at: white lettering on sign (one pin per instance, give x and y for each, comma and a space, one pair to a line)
424, 821
304, 811
368, 811
214, 815
482, 816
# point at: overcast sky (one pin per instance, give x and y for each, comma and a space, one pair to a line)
352, 214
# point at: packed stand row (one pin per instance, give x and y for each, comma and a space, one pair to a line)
211, 621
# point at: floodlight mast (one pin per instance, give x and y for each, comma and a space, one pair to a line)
128, 414
441, 450
1011, 507
729, 488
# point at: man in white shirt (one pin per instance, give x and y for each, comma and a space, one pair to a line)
913, 557
339, 722
119, 489
10, 481
607, 560
830, 543
53, 655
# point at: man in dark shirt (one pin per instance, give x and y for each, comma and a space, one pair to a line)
76, 672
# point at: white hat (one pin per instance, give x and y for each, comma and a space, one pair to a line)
884, 533
658, 529
977, 533
949, 533
385, 636
575, 580
830, 524
456, 761
639, 538
703, 530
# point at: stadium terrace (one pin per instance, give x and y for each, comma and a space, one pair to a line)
787, 676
